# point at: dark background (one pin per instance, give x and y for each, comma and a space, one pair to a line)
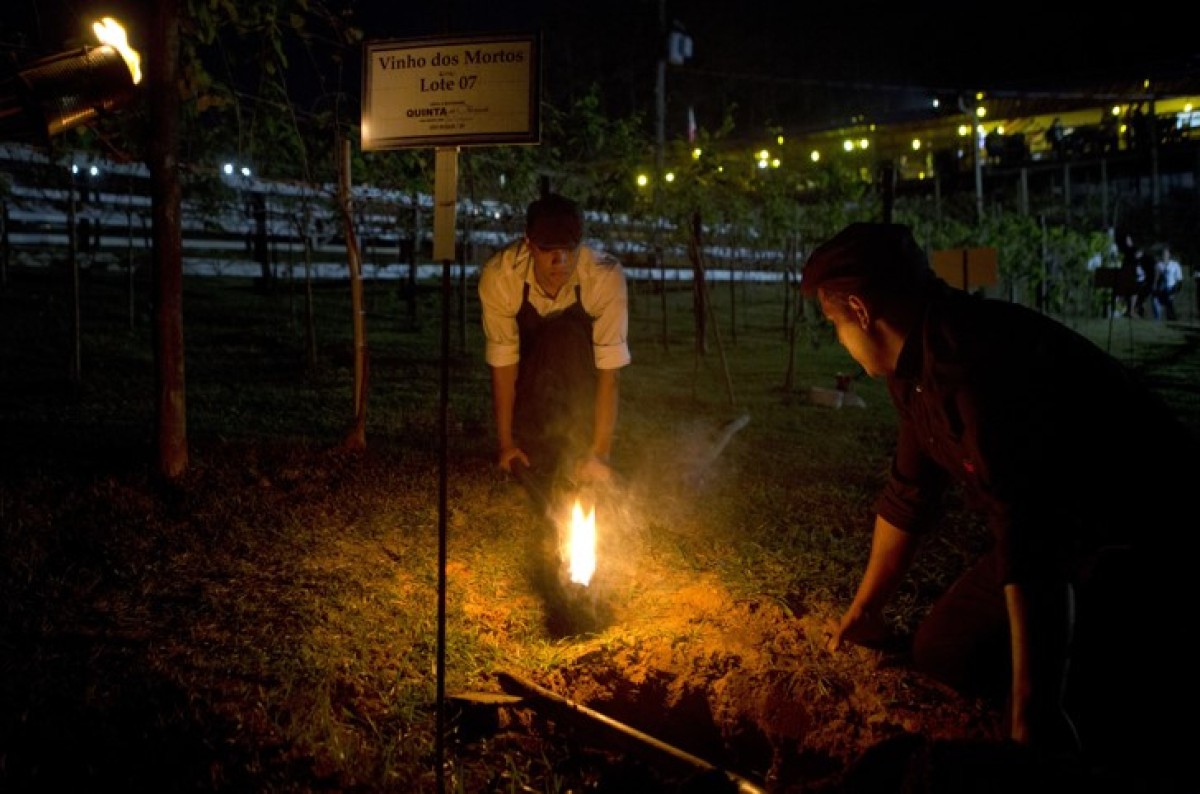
787, 64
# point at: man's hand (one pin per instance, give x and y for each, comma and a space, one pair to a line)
892, 551
592, 469
510, 454
861, 627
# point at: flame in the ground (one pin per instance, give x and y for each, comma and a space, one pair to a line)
110, 32
581, 545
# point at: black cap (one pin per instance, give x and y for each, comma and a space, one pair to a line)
866, 256
554, 221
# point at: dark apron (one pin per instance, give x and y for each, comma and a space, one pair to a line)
556, 384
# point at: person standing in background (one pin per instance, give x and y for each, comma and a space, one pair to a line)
1168, 280
1136, 280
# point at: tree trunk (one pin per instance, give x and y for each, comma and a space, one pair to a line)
791, 324
310, 316
413, 254
732, 306
356, 438
130, 283
696, 251
75, 366
262, 251
699, 293
4, 244
165, 197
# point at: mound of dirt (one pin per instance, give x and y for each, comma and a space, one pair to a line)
748, 686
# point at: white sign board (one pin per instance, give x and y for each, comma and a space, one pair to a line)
463, 91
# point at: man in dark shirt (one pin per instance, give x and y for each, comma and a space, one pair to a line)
1065, 454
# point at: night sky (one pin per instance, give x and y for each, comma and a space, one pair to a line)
930, 43
786, 62
778, 61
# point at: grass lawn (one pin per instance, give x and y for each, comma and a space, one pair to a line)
271, 621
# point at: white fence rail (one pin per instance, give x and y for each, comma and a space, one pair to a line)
260, 219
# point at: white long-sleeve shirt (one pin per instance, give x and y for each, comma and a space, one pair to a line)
1170, 274
602, 291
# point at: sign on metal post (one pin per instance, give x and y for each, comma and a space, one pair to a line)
455, 91
447, 93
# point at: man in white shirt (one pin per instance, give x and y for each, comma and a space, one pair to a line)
556, 322
1168, 280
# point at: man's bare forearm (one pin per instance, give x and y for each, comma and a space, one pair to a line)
504, 396
605, 423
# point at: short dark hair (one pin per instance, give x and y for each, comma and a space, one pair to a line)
554, 221
867, 258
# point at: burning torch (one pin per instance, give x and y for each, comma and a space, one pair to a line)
54, 94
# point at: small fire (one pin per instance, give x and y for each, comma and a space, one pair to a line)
110, 32
581, 545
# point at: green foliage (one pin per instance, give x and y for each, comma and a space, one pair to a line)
406, 170
590, 156
240, 74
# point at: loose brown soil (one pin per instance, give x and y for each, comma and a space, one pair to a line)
741, 681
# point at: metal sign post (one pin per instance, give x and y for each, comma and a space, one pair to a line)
446, 93
445, 202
